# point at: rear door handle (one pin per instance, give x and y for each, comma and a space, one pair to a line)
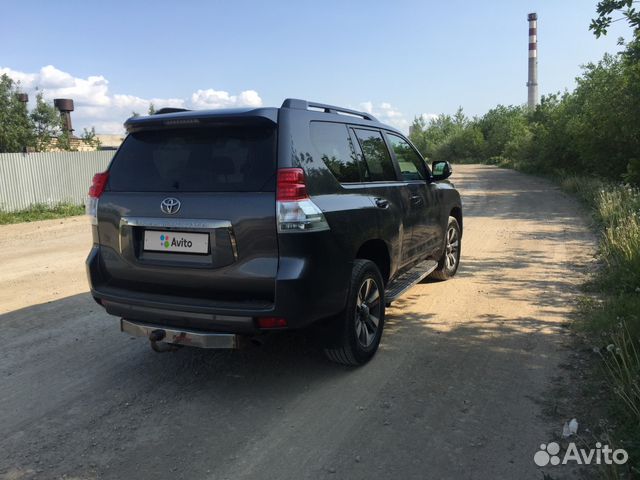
381, 202
416, 200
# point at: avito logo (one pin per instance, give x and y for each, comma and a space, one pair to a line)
549, 454
167, 242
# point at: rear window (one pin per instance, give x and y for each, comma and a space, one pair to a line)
332, 142
229, 159
376, 156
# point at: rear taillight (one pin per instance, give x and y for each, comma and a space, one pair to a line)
271, 322
95, 190
99, 183
295, 210
291, 185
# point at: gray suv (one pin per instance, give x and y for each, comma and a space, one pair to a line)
212, 227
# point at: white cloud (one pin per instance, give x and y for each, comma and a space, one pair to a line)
250, 98
386, 113
96, 106
367, 107
427, 117
211, 98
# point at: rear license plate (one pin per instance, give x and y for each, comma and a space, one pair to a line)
181, 242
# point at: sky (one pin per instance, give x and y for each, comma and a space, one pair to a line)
397, 59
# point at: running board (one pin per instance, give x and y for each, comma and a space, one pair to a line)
408, 279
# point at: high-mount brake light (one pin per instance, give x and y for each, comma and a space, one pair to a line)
95, 191
295, 210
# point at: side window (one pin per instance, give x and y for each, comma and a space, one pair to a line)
376, 155
332, 142
411, 165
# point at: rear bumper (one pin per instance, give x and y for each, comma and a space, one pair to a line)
182, 337
168, 316
307, 288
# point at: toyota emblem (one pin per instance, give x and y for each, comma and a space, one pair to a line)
170, 205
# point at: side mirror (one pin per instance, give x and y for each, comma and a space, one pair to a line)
441, 170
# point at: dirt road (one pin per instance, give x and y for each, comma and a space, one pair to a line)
456, 391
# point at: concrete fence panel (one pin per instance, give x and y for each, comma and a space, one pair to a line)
48, 177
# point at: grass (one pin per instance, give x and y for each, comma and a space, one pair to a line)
612, 314
616, 211
622, 364
41, 211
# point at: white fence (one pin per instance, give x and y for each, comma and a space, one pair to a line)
49, 177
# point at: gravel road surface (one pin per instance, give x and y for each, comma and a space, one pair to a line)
456, 391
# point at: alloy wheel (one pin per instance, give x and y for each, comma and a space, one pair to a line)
368, 307
452, 248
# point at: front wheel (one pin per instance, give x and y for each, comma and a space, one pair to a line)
448, 263
357, 331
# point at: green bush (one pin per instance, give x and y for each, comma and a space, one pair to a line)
41, 211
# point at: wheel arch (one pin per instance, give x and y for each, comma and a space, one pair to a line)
456, 212
377, 251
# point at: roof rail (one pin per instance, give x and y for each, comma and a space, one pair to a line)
305, 105
170, 110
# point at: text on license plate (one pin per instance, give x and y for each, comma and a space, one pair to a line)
159, 241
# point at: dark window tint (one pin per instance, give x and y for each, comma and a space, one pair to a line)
376, 155
237, 159
332, 142
411, 165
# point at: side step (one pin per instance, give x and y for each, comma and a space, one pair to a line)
408, 279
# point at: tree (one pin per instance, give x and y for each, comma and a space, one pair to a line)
16, 132
89, 138
416, 133
63, 142
47, 125
152, 109
449, 138
502, 127
466, 145
606, 9
436, 135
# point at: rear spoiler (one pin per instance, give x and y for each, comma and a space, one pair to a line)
182, 118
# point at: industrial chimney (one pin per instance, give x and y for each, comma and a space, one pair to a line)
532, 83
23, 98
65, 105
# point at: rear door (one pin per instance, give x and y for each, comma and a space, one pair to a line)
388, 191
191, 212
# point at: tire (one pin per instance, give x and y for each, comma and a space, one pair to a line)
450, 259
355, 335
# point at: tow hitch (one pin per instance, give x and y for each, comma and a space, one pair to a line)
157, 336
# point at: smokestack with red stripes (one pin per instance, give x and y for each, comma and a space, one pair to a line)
532, 83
